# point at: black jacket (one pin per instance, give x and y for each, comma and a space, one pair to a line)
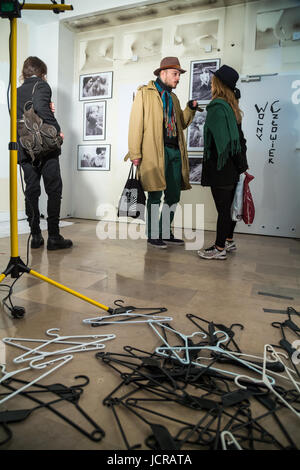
229, 174
41, 104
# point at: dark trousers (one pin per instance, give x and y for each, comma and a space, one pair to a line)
50, 172
223, 197
159, 225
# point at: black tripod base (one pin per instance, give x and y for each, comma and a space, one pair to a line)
15, 269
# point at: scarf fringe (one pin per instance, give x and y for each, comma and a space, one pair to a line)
232, 148
169, 114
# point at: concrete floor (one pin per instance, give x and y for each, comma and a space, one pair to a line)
177, 279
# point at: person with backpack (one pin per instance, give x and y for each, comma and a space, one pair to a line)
224, 157
36, 90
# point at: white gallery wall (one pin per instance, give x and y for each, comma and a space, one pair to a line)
233, 41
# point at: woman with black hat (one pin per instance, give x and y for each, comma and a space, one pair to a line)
224, 156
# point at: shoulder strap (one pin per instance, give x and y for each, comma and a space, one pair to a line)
29, 103
35, 85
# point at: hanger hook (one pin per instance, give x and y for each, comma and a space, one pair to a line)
221, 340
53, 334
85, 378
198, 333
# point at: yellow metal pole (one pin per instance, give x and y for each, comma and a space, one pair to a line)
41, 6
67, 289
13, 139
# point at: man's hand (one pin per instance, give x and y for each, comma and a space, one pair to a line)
136, 162
193, 104
52, 107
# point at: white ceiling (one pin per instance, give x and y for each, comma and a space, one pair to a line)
144, 10
91, 14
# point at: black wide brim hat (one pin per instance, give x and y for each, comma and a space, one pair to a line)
227, 75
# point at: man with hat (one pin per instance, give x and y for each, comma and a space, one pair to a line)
157, 147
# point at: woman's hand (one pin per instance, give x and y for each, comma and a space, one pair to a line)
52, 107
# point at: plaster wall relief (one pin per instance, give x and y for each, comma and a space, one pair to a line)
275, 29
191, 39
96, 54
143, 45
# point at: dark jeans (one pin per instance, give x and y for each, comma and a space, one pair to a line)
50, 172
223, 197
159, 225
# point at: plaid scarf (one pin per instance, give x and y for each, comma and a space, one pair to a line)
169, 114
221, 127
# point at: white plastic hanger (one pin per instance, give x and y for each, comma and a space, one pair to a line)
77, 346
174, 349
261, 358
32, 365
163, 351
228, 439
268, 348
144, 319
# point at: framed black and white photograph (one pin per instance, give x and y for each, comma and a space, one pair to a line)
200, 79
195, 162
93, 157
95, 86
195, 133
94, 120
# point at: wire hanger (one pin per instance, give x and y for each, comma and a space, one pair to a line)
227, 439
162, 350
265, 379
33, 365
174, 349
97, 321
57, 339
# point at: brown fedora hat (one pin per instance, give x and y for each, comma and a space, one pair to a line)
169, 63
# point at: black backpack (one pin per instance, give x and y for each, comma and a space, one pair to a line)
37, 138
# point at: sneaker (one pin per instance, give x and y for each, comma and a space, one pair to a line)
230, 246
157, 243
172, 241
212, 253
36, 240
58, 243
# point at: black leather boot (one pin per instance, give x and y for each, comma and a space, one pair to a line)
36, 240
58, 243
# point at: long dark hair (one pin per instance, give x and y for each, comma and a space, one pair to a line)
220, 90
33, 66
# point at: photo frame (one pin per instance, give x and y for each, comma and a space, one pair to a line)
94, 120
195, 132
200, 79
195, 162
93, 157
95, 86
